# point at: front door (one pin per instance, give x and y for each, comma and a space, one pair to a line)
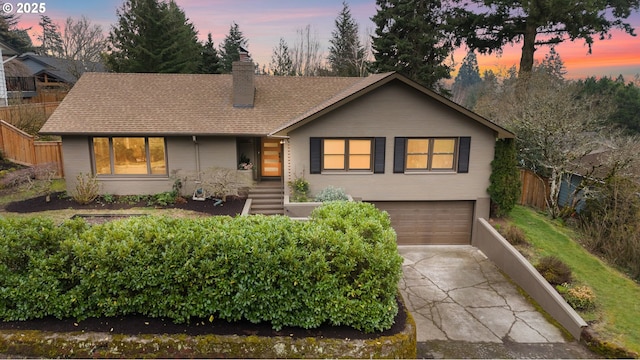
271, 158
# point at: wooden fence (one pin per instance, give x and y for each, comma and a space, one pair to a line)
535, 190
21, 148
20, 113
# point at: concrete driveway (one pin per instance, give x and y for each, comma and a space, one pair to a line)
464, 307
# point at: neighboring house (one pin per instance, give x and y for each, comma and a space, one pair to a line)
384, 139
52, 72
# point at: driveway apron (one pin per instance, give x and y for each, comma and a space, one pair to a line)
464, 307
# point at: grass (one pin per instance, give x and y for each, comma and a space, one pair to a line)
617, 315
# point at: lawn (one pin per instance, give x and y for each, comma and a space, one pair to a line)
617, 316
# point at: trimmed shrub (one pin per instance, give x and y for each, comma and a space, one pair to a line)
554, 270
331, 193
505, 178
339, 269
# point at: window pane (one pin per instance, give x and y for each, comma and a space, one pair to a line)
444, 146
417, 162
360, 162
440, 162
333, 146
360, 147
417, 146
129, 156
101, 156
157, 155
334, 162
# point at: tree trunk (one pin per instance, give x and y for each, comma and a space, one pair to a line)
528, 49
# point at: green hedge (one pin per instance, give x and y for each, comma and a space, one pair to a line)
340, 268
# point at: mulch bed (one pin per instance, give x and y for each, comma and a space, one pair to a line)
232, 207
137, 325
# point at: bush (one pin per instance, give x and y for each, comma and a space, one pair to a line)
554, 270
87, 189
331, 193
513, 234
340, 269
299, 189
505, 178
579, 297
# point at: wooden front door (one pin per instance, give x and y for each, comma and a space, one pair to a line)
271, 158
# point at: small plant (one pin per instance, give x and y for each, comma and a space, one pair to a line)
579, 297
87, 189
554, 270
245, 163
163, 199
331, 193
513, 234
108, 198
299, 189
133, 199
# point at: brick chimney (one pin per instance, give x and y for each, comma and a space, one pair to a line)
244, 89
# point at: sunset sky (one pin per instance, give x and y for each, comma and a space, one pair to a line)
263, 22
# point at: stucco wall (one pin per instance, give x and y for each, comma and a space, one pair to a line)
396, 110
181, 155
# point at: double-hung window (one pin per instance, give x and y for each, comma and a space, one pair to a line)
129, 156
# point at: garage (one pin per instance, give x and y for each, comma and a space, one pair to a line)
430, 222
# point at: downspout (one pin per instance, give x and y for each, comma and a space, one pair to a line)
197, 154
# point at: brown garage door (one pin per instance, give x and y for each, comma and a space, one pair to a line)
430, 222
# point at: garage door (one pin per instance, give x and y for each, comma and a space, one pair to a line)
430, 222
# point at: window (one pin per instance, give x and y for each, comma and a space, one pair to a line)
431, 154
347, 154
129, 156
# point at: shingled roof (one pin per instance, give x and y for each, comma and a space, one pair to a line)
201, 104
188, 104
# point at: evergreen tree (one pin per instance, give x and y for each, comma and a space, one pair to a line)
153, 37
505, 178
281, 63
410, 38
488, 26
51, 40
230, 48
18, 39
467, 82
210, 59
346, 53
553, 65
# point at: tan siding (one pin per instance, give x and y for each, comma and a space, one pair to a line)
75, 152
181, 155
397, 110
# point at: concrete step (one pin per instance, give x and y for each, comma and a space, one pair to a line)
267, 202
267, 212
266, 207
266, 195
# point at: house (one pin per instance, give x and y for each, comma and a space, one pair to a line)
53, 73
384, 139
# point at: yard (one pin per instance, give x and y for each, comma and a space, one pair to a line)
616, 317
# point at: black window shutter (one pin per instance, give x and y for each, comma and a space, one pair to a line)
463, 154
315, 152
378, 155
399, 154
